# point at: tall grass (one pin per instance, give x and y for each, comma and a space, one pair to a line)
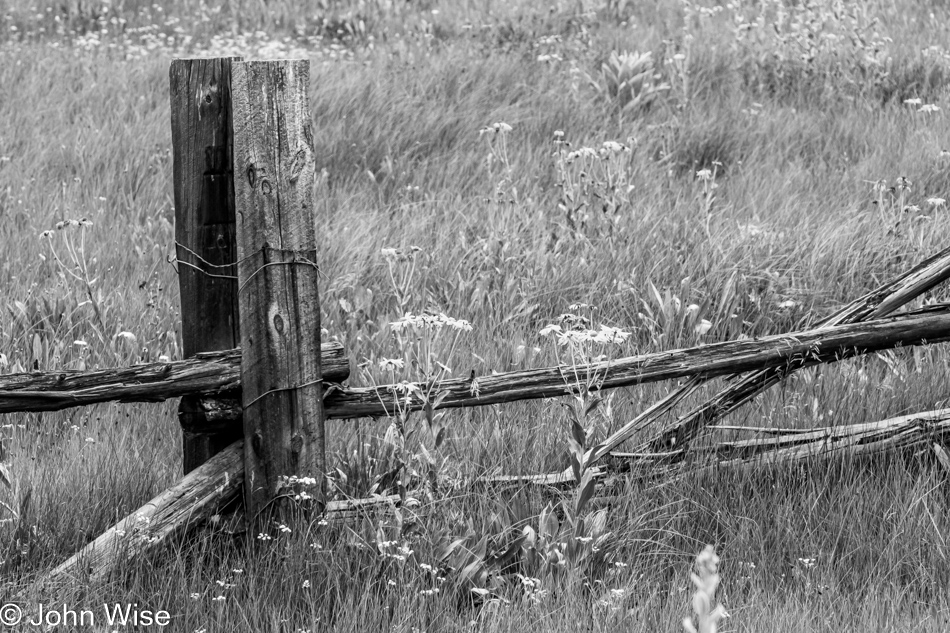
785, 225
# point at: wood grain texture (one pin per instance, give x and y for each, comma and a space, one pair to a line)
278, 277
204, 228
205, 375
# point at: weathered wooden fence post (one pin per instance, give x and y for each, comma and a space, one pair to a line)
277, 276
204, 231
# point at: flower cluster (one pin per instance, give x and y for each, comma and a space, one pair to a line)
394, 550
533, 588
407, 389
926, 108
294, 480
400, 255
606, 150
430, 321
606, 335
82, 223
495, 128
293, 484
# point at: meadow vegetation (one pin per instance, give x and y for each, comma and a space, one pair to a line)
683, 172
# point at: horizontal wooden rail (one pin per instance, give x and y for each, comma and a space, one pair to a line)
825, 344
219, 372
205, 373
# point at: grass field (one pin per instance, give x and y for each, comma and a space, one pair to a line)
771, 162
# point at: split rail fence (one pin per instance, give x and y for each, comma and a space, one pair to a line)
258, 385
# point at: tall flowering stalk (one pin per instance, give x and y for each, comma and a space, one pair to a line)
706, 581
584, 345
423, 340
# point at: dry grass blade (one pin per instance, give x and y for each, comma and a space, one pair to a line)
5, 477
942, 456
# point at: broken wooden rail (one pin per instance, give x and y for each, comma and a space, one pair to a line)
878, 303
912, 432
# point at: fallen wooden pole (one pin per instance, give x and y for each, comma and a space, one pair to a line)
193, 500
207, 373
910, 433
185, 506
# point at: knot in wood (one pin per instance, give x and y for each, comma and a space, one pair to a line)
276, 320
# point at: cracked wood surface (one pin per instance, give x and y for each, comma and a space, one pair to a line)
206, 374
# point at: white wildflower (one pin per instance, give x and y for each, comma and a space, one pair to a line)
391, 364
608, 335
703, 327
